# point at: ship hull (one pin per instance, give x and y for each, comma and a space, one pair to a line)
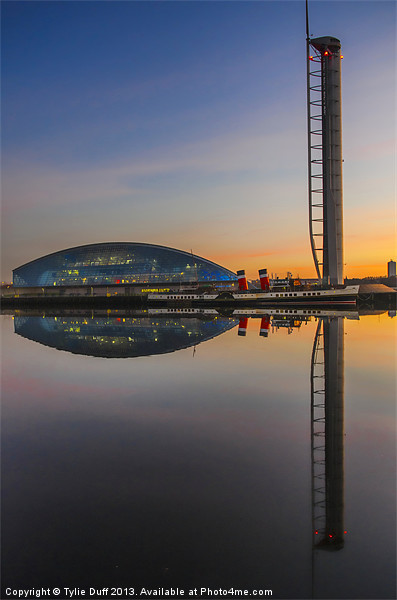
329, 297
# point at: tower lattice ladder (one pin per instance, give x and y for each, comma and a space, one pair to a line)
315, 102
319, 492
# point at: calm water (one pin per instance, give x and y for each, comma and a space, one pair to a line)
152, 451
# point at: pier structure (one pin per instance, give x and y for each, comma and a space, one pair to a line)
324, 123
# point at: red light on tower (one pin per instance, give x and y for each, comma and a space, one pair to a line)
326, 53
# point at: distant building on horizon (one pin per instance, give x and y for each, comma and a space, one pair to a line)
391, 268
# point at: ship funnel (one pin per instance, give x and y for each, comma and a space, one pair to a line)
242, 281
242, 326
265, 326
264, 279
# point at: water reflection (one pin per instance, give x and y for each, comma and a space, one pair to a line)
154, 331
118, 336
327, 438
163, 331
327, 434
227, 470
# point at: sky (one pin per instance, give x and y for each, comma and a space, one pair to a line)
183, 124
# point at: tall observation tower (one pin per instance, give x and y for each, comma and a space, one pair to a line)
324, 119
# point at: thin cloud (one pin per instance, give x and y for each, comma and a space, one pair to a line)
28, 185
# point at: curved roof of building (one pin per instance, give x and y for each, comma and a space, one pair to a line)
118, 262
121, 244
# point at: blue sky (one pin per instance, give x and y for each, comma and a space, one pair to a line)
184, 124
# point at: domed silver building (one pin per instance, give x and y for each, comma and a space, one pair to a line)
119, 263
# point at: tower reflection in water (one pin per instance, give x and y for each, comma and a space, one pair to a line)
327, 434
327, 417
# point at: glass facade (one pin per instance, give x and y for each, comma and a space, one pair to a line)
118, 263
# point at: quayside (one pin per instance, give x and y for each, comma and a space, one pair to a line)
370, 296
